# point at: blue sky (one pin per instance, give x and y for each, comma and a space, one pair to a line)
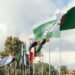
61, 3
17, 18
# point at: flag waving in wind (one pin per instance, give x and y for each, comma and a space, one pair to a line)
40, 46
34, 50
68, 20
47, 30
6, 60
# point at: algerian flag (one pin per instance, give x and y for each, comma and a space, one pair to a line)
47, 30
6, 60
68, 20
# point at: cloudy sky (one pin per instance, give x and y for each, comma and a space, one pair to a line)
17, 18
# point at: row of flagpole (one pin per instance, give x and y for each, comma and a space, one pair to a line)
50, 60
59, 58
33, 66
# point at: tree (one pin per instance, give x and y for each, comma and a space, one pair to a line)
12, 44
63, 70
3, 54
39, 67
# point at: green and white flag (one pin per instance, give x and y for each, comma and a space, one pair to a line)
47, 30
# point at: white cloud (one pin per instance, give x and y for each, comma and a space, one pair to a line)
68, 35
20, 15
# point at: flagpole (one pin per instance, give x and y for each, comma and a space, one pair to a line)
23, 60
14, 62
42, 64
29, 57
30, 65
33, 64
49, 58
41, 58
60, 57
22, 64
25, 57
25, 64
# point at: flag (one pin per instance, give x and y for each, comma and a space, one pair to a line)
32, 50
68, 20
18, 58
33, 44
35, 48
40, 46
47, 30
6, 60
37, 45
21, 55
32, 54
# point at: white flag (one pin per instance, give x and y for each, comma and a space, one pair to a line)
6, 60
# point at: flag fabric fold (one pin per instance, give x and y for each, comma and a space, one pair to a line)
35, 43
47, 30
34, 50
43, 27
6, 60
40, 46
32, 54
68, 20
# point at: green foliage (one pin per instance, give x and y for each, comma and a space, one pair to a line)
45, 68
12, 44
63, 68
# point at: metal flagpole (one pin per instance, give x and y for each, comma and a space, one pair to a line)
42, 65
22, 61
21, 58
33, 65
22, 64
41, 58
14, 68
60, 57
9, 70
14, 61
29, 57
49, 58
30, 65
25, 59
